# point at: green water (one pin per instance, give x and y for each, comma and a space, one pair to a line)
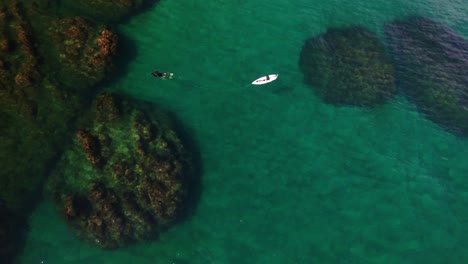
286, 178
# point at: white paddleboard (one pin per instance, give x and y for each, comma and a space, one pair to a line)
265, 79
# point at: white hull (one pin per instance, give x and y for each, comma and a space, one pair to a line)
264, 79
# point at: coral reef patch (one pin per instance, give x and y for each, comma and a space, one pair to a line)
80, 50
36, 112
50, 64
125, 177
348, 66
432, 69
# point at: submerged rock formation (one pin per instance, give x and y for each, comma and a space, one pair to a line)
125, 177
39, 104
32, 128
83, 50
432, 69
347, 66
49, 66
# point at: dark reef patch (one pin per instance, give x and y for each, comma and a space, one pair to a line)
36, 112
432, 69
84, 51
51, 62
348, 66
126, 177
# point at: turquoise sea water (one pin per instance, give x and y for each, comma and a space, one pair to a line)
286, 178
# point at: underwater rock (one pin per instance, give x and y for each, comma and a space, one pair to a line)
432, 69
84, 51
91, 147
107, 107
347, 66
32, 128
46, 59
17, 49
40, 92
141, 185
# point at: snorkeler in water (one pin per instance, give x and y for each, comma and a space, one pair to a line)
162, 74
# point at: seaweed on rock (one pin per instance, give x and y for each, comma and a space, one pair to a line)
432, 69
32, 128
41, 92
125, 178
80, 52
348, 66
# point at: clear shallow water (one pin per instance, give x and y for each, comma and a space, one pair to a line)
286, 178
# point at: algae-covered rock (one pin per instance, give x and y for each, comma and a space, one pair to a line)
35, 113
47, 57
125, 177
432, 69
80, 52
347, 66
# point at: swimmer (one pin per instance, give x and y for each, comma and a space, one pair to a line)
162, 74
